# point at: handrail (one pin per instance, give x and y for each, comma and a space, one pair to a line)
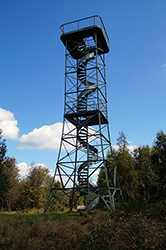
78, 25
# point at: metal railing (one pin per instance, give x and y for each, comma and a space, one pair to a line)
84, 23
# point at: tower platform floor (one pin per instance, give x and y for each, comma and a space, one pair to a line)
92, 116
77, 37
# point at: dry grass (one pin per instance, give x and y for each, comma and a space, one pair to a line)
100, 230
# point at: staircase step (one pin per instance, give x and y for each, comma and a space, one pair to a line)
81, 78
81, 66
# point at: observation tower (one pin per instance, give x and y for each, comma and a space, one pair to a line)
85, 139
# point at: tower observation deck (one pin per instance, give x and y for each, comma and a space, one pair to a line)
77, 31
85, 139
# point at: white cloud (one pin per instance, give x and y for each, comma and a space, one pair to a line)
46, 137
97, 172
64, 179
8, 124
93, 183
23, 169
130, 147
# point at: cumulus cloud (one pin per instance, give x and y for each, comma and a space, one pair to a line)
64, 179
24, 168
93, 183
8, 124
97, 172
130, 147
45, 137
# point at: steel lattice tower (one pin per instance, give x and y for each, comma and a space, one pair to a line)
85, 137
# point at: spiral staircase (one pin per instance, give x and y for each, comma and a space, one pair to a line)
83, 169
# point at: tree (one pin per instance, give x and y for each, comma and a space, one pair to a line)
121, 141
126, 169
36, 184
101, 182
159, 161
61, 201
4, 183
127, 173
12, 194
147, 178
33, 188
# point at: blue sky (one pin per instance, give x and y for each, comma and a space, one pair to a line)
32, 72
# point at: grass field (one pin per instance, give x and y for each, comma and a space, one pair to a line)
129, 228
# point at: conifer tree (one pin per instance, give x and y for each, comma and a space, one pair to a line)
4, 184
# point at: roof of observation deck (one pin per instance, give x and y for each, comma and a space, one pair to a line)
80, 29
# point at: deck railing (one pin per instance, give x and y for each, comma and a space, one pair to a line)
84, 23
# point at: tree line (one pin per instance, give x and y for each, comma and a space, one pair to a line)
141, 173
18, 193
